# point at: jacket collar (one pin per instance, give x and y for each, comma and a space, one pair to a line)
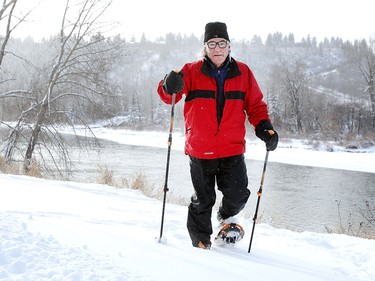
233, 69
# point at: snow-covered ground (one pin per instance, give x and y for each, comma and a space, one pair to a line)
53, 230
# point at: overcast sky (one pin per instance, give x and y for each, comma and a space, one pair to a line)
348, 19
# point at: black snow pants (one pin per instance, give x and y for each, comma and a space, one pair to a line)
230, 175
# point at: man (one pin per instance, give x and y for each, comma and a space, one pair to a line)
220, 93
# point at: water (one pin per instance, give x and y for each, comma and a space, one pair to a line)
294, 197
299, 198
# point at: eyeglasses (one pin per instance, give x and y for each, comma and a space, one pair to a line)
213, 44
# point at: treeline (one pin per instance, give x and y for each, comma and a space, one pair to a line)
312, 87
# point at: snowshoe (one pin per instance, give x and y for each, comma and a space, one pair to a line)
231, 233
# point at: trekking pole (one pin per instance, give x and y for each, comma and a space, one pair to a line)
259, 195
167, 167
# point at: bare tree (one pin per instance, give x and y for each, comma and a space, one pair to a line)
290, 82
6, 12
362, 55
76, 80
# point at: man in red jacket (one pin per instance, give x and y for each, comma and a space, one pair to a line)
220, 93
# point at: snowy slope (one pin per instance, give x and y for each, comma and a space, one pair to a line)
51, 230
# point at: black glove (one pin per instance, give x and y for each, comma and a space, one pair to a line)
173, 82
266, 133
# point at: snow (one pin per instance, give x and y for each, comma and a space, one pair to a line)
56, 230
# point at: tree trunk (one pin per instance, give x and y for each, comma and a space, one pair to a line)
372, 99
27, 164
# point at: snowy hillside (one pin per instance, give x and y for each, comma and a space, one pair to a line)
51, 230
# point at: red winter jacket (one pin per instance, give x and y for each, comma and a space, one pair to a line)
205, 138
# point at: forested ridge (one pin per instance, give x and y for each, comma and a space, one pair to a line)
311, 87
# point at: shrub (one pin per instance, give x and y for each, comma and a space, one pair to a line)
364, 228
8, 168
105, 175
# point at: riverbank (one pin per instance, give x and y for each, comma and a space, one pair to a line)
295, 152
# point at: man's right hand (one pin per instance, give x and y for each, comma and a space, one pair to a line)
173, 82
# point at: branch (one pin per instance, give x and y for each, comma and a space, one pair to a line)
16, 94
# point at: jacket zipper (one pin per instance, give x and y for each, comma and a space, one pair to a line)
217, 104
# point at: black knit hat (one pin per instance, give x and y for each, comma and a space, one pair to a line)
215, 30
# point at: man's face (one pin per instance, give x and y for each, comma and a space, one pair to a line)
217, 49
